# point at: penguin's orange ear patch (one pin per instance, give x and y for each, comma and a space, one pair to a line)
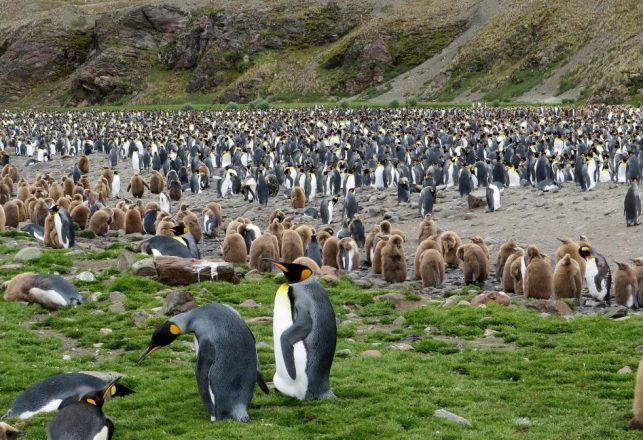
305, 274
112, 390
175, 329
91, 401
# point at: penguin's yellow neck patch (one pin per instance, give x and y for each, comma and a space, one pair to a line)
180, 240
283, 289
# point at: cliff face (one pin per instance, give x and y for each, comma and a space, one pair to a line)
99, 52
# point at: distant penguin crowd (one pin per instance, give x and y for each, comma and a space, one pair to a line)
167, 176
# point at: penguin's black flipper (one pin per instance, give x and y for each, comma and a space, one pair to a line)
110, 428
262, 383
297, 332
122, 390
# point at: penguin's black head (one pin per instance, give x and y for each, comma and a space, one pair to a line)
294, 273
54, 208
585, 252
180, 229
164, 335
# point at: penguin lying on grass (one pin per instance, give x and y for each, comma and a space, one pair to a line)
181, 245
227, 366
48, 394
50, 291
305, 335
83, 419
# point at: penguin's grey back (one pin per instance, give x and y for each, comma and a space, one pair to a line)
311, 298
78, 421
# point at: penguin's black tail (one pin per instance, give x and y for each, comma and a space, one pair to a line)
262, 383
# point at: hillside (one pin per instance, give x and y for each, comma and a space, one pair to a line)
68, 53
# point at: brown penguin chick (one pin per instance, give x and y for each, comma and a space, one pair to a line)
638, 271
137, 186
504, 252
475, 263
64, 202
263, 247
50, 234
184, 210
348, 254
103, 189
123, 205
507, 277
56, 191
8, 432
156, 183
637, 406
100, 221
288, 222
165, 227
399, 232
432, 268
234, 248
305, 232
12, 214
108, 174
91, 197
79, 190
427, 228
153, 206
192, 221
68, 186
428, 243
330, 250
276, 229
233, 226
450, 242
39, 212
277, 214
480, 242
322, 236
23, 192
539, 280
369, 246
80, 215
5, 193
23, 211
3, 219
12, 172
309, 263
571, 247
298, 198
84, 182
291, 246
625, 286
393, 261
376, 264
216, 209
568, 281
83, 164
118, 219
133, 221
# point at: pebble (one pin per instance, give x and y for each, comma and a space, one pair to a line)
105, 331
624, 370
347, 352
371, 354
399, 321
117, 308
28, 254
402, 346
249, 303
450, 300
86, 277
395, 297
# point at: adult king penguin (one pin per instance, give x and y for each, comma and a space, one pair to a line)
64, 226
305, 335
227, 367
632, 204
598, 276
83, 419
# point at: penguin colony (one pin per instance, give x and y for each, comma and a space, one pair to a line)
321, 172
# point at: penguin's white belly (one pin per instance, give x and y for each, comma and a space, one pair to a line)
496, 197
379, 179
50, 407
283, 382
604, 177
523, 271
514, 179
59, 228
49, 296
226, 186
156, 253
621, 174
102, 434
212, 399
591, 270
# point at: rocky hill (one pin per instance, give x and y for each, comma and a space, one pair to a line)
84, 52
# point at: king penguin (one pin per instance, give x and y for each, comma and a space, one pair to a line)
50, 291
64, 226
83, 419
598, 275
181, 245
305, 335
493, 197
116, 185
326, 209
350, 204
632, 204
48, 394
227, 366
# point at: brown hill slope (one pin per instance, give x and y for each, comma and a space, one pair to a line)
55, 52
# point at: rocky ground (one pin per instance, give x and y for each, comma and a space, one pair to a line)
527, 215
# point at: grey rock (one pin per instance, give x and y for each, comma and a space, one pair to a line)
399, 321
178, 301
139, 317
347, 352
249, 303
402, 346
28, 254
117, 296
371, 354
617, 312
145, 268
86, 277
624, 370
117, 307
444, 414
125, 262
395, 297
364, 283
450, 301
263, 345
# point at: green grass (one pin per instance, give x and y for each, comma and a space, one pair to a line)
559, 374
